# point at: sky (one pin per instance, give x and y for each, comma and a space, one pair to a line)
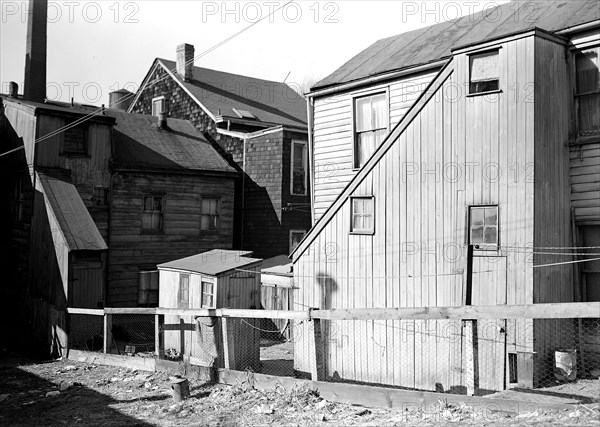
95, 47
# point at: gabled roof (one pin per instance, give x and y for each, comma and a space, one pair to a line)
431, 44
138, 142
219, 92
74, 220
213, 263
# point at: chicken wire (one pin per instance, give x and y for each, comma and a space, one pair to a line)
86, 332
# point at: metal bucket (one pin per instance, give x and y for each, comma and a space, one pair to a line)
565, 364
180, 388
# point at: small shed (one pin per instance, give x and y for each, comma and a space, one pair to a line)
214, 279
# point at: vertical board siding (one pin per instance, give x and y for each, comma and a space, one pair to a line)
457, 151
585, 182
332, 135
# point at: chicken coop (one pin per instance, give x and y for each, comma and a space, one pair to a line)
213, 279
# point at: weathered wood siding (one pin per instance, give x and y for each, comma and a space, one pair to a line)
332, 134
132, 248
456, 152
585, 183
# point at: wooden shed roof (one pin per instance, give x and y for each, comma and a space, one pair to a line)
212, 263
73, 218
140, 143
436, 42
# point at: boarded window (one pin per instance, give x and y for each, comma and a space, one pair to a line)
74, 139
483, 226
370, 126
363, 220
299, 168
296, 237
158, 105
209, 220
208, 294
484, 72
588, 91
152, 219
148, 288
184, 291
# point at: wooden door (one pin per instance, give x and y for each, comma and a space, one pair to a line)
87, 285
489, 288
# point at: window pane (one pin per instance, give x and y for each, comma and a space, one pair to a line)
205, 222
491, 216
365, 147
476, 235
363, 114
490, 236
588, 71
476, 216
368, 222
589, 115
485, 67
379, 111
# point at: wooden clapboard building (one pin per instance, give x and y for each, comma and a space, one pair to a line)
259, 126
470, 132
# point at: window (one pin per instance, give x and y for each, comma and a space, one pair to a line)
370, 126
362, 221
299, 168
158, 105
74, 139
587, 93
152, 219
148, 287
184, 291
209, 220
296, 237
484, 72
100, 196
483, 226
208, 294
19, 198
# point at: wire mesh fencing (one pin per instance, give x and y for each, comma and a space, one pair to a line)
132, 335
86, 332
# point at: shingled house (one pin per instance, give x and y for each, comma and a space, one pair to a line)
476, 132
259, 126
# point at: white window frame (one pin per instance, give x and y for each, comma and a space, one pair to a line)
204, 280
303, 143
183, 302
292, 232
470, 57
372, 92
484, 246
163, 104
370, 231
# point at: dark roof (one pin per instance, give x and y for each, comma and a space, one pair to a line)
213, 263
430, 44
139, 142
220, 92
62, 108
74, 220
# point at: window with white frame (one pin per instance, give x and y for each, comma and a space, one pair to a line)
483, 226
587, 91
209, 219
148, 287
153, 213
370, 125
208, 294
158, 105
362, 215
183, 295
484, 72
299, 168
296, 237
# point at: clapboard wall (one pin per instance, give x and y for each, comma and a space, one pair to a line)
449, 152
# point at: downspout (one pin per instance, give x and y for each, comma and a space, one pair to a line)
310, 113
243, 193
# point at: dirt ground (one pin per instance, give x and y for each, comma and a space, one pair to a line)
70, 393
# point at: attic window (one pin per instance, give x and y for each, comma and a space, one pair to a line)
74, 139
587, 93
158, 105
484, 72
244, 114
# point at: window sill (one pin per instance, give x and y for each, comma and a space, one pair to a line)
209, 233
489, 92
152, 232
362, 233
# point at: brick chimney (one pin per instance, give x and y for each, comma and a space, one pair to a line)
185, 61
35, 56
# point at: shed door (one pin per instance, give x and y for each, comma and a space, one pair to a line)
87, 285
489, 288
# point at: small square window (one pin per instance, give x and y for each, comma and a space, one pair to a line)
184, 291
158, 105
152, 219
362, 216
484, 72
148, 287
209, 220
483, 226
296, 237
208, 294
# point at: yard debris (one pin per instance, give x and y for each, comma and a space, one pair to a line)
64, 385
53, 393
264, 409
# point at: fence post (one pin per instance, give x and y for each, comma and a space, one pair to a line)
107, 332
317, 369
470, 330
228, 344
157, 342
